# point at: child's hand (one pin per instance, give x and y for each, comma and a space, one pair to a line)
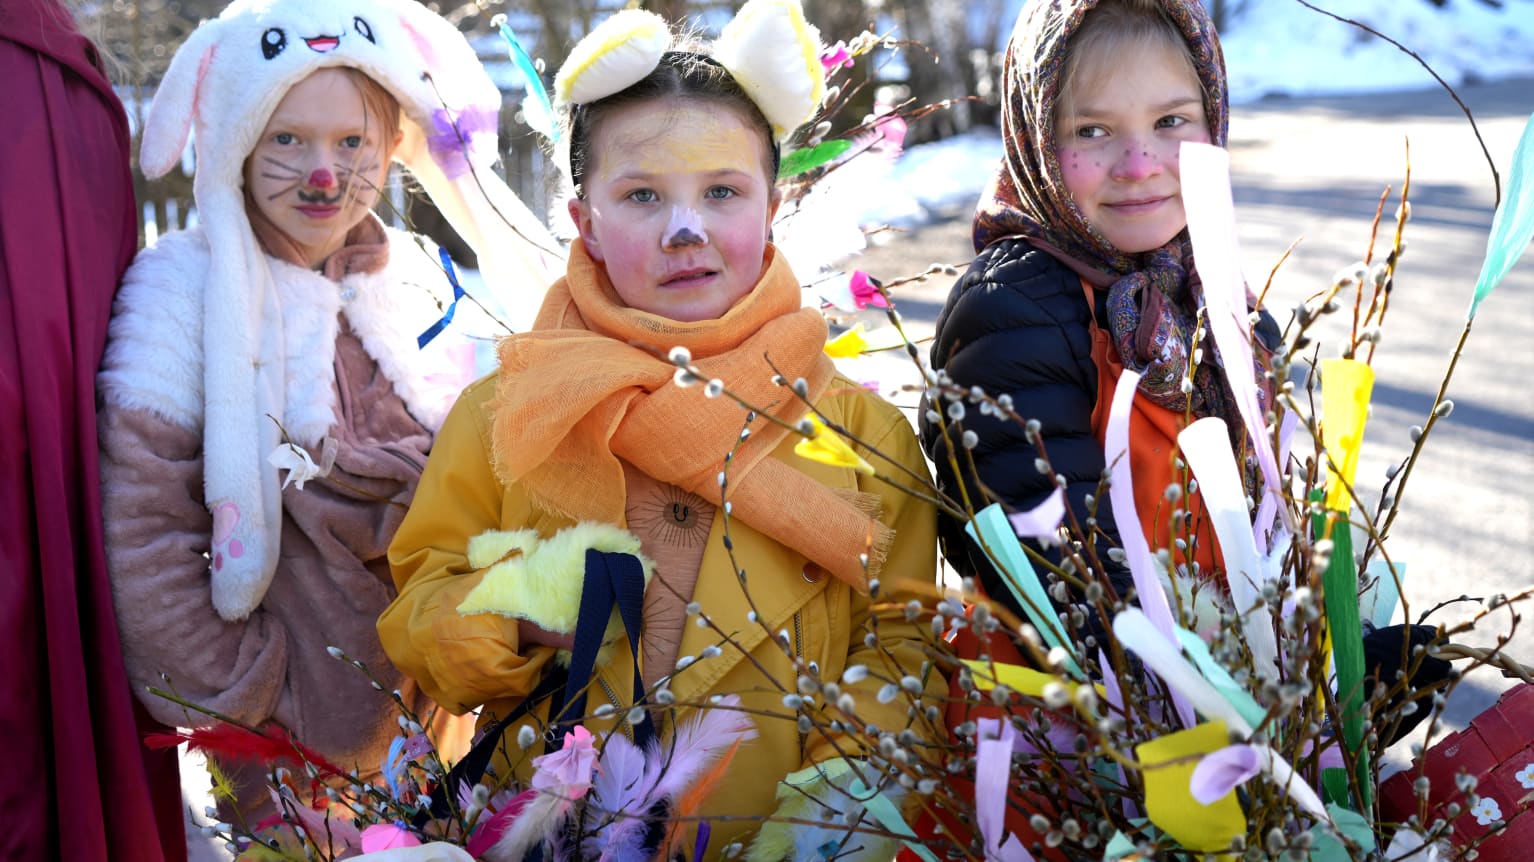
535, 635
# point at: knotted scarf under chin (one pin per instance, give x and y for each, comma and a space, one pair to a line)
587, 388
1152, 314
1153, 319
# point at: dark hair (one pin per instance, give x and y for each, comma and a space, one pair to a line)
679, 75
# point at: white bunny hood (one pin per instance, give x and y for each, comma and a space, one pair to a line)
224, 83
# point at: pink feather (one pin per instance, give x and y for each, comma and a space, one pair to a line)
698, 743
318, 825
538, 823
489, 830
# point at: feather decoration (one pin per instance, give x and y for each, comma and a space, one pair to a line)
319, 825
537, 111
537, 822
819, 228
698, 742
688, 803
223, 787
492, 827
268, 746
633, 783
618, 800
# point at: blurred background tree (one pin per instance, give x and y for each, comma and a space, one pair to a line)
949, 52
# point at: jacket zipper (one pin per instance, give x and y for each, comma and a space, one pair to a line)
799, 654
612, 698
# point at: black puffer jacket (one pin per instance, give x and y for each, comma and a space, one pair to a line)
1017, 323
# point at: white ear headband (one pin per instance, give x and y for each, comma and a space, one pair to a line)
769, 48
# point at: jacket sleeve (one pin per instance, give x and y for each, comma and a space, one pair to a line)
157, 537
909, 573
1017, 325
460, 661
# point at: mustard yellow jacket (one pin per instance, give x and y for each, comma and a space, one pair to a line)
464, 662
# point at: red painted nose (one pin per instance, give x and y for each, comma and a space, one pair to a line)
322, 179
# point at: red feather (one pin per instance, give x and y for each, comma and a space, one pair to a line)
272, 745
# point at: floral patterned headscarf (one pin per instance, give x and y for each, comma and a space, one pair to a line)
1153, 297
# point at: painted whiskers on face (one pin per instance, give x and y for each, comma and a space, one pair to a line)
321, 179
317, 168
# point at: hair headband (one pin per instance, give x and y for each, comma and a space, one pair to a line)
768, 48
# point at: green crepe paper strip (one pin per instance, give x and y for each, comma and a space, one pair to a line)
1378, 604
1513, 225
1334, 784
799, 161
1325, 847
1121, 845
1341, 585
991, 529
1219, 677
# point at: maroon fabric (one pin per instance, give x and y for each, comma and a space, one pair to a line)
77, 784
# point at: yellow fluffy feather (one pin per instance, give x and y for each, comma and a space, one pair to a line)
543, 584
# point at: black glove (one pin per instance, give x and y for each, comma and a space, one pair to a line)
1382, 663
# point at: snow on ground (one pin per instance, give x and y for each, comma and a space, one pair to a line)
1279, 46
1272, 48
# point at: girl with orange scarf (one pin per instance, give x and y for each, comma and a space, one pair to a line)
765, 573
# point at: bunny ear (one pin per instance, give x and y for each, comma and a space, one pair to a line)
775, 55
175, 104
618, 53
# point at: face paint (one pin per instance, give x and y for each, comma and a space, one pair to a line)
316, 170
663, 170
684, 228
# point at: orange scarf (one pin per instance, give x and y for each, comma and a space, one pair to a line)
576, 394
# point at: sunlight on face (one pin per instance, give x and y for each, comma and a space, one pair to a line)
677, 206
1119, 147
318, 165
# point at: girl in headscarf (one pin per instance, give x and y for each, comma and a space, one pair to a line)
1085, 269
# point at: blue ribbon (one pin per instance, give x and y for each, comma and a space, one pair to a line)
436, 328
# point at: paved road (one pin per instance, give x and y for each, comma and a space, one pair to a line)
1313, 169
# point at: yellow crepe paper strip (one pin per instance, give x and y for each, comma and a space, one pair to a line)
847, 345
1346, 385
1023, 680
1168, 763
824, 446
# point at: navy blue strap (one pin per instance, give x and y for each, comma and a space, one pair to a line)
447, 317
471, 767
610, 579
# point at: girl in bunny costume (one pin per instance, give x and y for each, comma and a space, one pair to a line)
285, 332
582, 441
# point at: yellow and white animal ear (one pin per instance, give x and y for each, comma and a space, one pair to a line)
615, 55
774, 54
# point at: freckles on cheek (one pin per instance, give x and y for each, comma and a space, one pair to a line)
1072, 168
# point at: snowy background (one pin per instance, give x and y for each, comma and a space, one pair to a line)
1273, 49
